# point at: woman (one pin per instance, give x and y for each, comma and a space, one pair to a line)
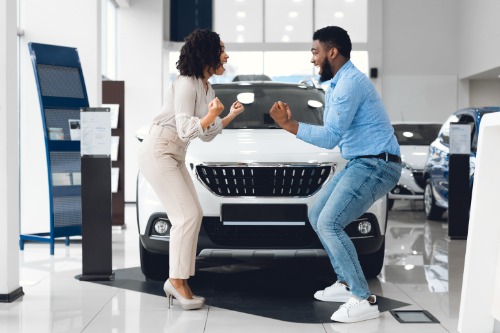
191, 111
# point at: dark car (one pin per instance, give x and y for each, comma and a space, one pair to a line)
255, 183
437, 166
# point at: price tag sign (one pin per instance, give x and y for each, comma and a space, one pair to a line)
460, 138
95, 131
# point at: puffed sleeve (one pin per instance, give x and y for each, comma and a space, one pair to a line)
187, 123
212, 130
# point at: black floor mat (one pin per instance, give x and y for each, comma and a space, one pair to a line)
279, 289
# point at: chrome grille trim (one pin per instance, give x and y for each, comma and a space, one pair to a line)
264, 179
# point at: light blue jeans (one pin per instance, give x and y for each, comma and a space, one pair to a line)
347, 196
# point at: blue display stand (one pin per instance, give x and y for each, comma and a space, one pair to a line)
62, 92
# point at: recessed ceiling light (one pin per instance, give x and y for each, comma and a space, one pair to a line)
349, 0
241, 14
240, 28
285, 38
289, 28
339, 14
240, 39
293, 14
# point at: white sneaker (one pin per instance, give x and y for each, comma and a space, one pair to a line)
356, 310
337, 292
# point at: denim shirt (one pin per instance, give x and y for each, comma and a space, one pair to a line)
355, 118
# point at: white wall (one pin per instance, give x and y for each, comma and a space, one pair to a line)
484, 92
9, 151
72, 23
420, 63
479, 31
140, 66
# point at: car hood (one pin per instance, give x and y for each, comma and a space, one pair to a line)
415, 156
259, 145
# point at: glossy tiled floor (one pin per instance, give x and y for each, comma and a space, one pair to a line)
422, 268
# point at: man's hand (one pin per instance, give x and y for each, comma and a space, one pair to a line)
282, 115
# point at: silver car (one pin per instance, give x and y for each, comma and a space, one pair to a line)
414, 139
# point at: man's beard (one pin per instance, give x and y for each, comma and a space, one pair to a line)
326, 71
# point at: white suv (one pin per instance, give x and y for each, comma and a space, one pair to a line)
256, 183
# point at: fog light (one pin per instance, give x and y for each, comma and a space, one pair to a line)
162, 227
364, 227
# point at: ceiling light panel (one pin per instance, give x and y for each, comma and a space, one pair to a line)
238, 21
281, 14
354, 17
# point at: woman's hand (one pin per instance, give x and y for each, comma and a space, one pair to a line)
215, 107
236, 108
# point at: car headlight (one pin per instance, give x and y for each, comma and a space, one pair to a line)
364, 227
162, 227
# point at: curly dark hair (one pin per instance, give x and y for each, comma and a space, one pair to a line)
201, 48
333, 36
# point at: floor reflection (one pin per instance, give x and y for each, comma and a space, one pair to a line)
417, 250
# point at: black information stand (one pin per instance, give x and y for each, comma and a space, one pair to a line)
458, 180
96, 195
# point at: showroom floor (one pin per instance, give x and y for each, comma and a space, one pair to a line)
423, 271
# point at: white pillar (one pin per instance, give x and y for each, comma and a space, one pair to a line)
140, 65
477, 308
9, 155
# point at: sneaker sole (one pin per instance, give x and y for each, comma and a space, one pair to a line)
338, 299
367, 316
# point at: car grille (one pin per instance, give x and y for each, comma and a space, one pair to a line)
264, 180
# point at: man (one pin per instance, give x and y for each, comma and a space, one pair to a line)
355, 120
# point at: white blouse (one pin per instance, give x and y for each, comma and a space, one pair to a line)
185, 105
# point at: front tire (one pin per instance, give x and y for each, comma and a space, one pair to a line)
372, 263
390, 204
154, 266
432, 211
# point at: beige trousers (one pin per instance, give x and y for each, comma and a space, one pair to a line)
162, 162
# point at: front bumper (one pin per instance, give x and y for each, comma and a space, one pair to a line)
214, 235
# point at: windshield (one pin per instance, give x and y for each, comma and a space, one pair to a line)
307, 104
416, 134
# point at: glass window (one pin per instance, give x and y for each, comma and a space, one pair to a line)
109, 40
288, 66
416, 134
285, 66
306, 103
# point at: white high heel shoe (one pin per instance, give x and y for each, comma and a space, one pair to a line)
186, 303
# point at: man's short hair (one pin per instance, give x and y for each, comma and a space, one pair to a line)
333, 36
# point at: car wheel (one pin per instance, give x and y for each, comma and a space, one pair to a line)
372, 263
154, 266
432, 211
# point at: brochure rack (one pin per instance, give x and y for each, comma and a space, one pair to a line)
113, 95
62, 92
